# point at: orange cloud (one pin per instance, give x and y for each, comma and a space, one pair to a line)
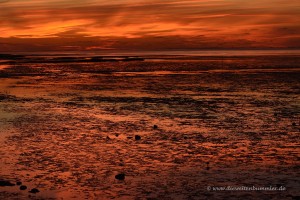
252, 23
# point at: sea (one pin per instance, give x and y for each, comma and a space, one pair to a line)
213, 124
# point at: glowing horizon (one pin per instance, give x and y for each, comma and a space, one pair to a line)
148, 24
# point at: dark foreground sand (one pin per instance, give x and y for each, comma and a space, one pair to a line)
68, 128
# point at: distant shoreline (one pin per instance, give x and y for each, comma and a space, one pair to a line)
236, 52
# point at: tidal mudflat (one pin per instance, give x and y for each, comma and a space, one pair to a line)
157, 127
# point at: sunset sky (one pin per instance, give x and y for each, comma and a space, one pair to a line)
39, 25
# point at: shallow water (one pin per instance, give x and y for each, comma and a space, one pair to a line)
68, 128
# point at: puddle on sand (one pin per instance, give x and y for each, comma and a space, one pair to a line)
68, 134
3, 66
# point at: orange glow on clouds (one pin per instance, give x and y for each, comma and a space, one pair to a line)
207, 23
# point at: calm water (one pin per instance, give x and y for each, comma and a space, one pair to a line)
182, 52
69, 128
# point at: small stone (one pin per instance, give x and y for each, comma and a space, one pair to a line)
23, 187
137, 137
294, 123
19, 183
34, 190
155, 127
120, 176
6, 183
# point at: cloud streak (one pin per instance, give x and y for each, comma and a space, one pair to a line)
253, 22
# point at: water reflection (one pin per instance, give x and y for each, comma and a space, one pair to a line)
71, 128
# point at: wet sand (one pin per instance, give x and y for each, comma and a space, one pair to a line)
68, 128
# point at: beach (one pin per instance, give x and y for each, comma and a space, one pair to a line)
177, 126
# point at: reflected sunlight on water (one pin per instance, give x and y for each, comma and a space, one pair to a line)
70, 128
